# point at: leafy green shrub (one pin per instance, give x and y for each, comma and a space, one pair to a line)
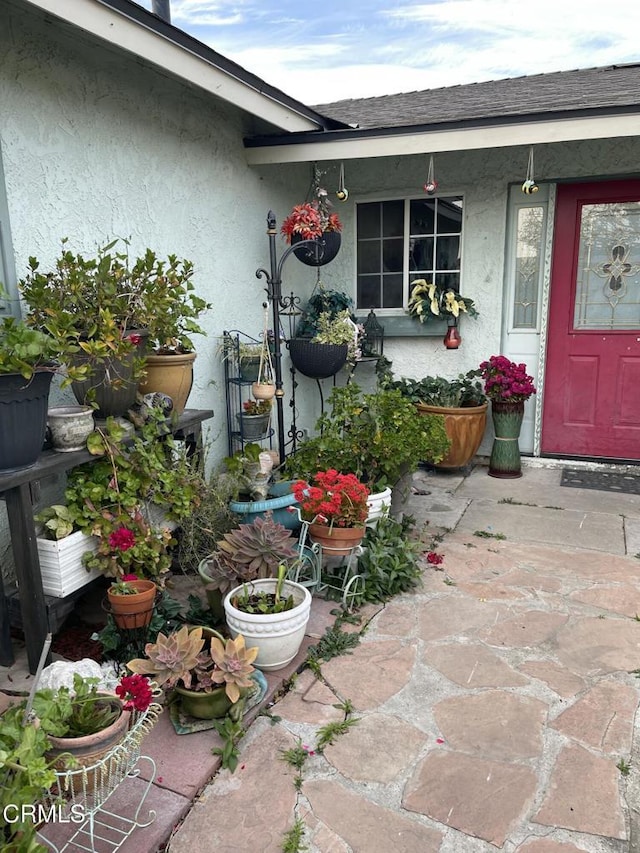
378, 437
462, 392
390, 559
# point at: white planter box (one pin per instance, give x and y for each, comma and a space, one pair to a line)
61, 563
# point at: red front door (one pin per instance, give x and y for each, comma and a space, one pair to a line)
592, 382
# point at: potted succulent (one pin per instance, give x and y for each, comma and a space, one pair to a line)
102, 311
508, 386
208, 673
254, 419
272, 613
131, 599
313, 229
460, 401
26, 370
61, 546
250, 551
429, 300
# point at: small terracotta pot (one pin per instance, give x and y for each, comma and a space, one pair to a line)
133, 611
263, 390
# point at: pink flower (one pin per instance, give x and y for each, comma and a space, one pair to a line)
135, 339
122, 539
435, 559
126, 578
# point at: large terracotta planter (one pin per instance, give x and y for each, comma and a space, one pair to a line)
133, 611
171, 375
336, 541
465, 428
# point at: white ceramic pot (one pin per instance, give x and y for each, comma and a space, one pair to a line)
379, 504
70, 426
278, 636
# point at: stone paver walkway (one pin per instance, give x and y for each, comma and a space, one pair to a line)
496, 705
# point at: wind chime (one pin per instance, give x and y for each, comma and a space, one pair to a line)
530, 186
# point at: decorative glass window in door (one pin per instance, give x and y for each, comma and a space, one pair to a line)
608, 274
527, 266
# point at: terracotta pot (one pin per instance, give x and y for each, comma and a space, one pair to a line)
88, 750
133, 611
263, 390
171, 375
465, 428
336, 541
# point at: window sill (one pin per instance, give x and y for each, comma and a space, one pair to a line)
407, 327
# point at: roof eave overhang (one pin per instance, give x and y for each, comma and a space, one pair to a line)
138, 32
500, 132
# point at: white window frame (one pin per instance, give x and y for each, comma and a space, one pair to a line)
407, 275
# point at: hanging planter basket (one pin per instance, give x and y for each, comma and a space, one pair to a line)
317, 361
320, 251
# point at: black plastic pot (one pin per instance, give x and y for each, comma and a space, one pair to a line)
23, 419
318, 252
317, 361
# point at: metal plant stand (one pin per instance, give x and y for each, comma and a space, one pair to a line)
87, 791
325, 573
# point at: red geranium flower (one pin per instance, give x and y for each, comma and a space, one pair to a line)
134, 690
434, 559
122, 539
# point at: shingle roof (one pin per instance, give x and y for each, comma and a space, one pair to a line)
613, 86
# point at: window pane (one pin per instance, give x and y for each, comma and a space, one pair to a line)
393, 219
422, 216
392, 287
421, 254
369, 291
368, 256
527, 267
449, 215
369, 220
392, 255
448, 279
448, 253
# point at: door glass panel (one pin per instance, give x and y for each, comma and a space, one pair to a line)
527, 267
608, 274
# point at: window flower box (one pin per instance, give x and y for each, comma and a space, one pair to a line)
61, 563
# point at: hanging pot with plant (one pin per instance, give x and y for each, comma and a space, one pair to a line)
315, 228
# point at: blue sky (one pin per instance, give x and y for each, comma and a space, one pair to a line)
330, 50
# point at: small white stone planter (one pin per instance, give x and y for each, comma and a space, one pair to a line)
61, 563
70, 427
379, 504
278, 635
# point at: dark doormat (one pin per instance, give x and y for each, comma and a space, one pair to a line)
605, 481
